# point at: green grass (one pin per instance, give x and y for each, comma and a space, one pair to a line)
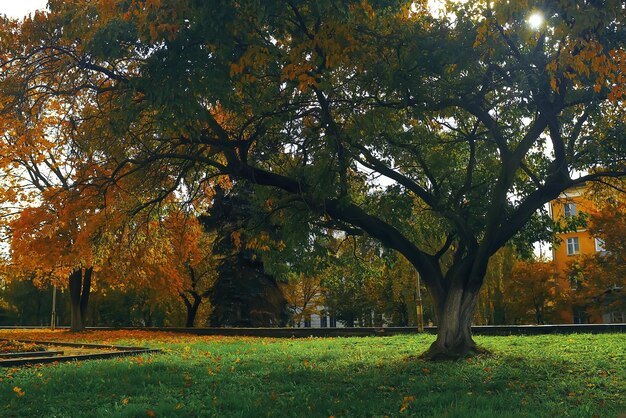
540, 376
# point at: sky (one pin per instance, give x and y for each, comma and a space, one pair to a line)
20, 8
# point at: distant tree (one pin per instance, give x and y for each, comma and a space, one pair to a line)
304, 294
531, 294
190, 261
243, 294
24, 303
404, 281
134, 307
362, 287
492, 304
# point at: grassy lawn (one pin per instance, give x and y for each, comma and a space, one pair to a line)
573, 375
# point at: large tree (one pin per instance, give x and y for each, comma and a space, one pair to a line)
474, 118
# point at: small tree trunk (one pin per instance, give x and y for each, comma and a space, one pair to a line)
84, 297
192, 308
539, 316
75, 285
454, 321
79, 287
499, 313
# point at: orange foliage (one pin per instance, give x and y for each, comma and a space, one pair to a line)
120, 337
532, 291
599, 279
579, 55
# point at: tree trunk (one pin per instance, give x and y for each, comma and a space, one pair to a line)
84, 297
454, 321
192, 308
499, 312
79, 286
538, 316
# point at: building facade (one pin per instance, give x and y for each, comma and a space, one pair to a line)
572, 245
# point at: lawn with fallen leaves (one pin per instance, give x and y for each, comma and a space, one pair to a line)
580, 375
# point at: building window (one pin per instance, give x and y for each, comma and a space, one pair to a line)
600, 245
573, 247
569, 210
307, 321
324, 321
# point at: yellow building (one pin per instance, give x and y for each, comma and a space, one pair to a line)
574, 244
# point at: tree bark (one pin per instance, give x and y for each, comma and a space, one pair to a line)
454, 321
79, 286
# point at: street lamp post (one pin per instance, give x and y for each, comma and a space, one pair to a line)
419, 307
53, 319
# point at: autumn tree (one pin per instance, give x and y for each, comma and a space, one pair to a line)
472, 116
64, 229
63, 223
57, 237
304, 295
163, 253
68, 239
192, 259
54, 216
532, 292
190, 266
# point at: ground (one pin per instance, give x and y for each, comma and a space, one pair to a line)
553, 375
